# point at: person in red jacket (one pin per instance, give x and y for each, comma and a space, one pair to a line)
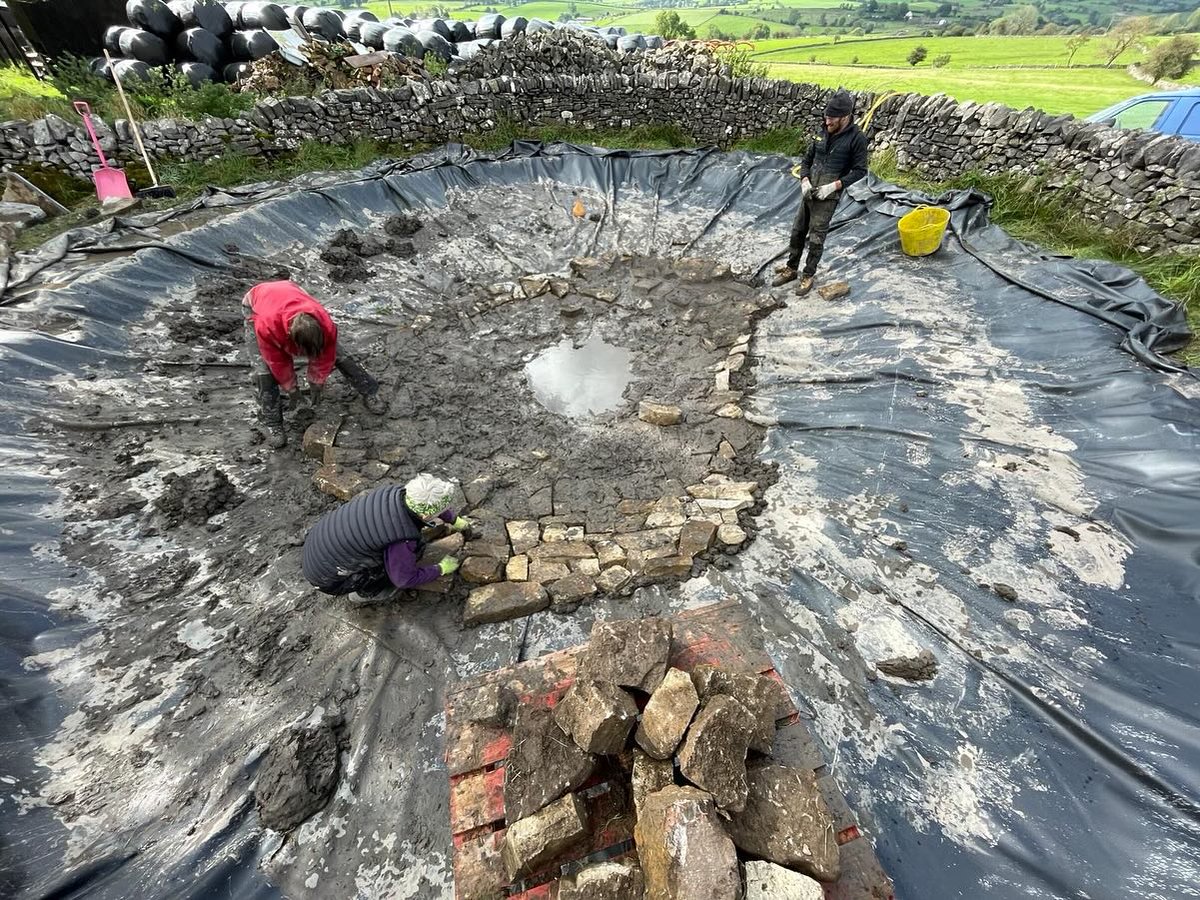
282, 323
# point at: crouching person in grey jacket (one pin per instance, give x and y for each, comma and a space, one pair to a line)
372, 545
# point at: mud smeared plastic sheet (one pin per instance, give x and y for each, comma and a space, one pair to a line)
982, 454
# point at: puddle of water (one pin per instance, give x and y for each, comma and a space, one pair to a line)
580, 381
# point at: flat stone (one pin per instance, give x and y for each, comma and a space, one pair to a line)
318, 437
731, 535
667, 567
648, 540
562, 550
726, 490
661, 414
524, 535
666, 717
667, 513
597, 715
696, 536
922, 667
763, 697
683, 849
611, 880
442, 547
717, 506
517, 569
340, 483
835, 290
649, 776
589, 566
729, 411
562, 532
631, 653
785, 821
532, 842
543, 763
544, 571
613, 579
572, 589
507, 600
725, 450
767, 881
610, 553
713, 756
480, 570
534, 285
493, 549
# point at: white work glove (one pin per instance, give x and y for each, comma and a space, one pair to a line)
825, 191
805, 188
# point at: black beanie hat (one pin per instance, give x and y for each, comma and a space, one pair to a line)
840, 103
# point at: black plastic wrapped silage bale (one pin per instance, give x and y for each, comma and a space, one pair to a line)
144, 47
251, 45
436, 44
201, 45
235, 71
371, 34
197, 73
324, 23
515, 25
459, 31
112, 38
153, 16
489, 26
402, 40
264, 15
131, 70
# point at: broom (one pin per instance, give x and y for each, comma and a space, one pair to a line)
157, 191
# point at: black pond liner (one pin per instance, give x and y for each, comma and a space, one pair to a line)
1064, 764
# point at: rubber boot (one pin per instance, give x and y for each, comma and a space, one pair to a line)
362, 381
270, 410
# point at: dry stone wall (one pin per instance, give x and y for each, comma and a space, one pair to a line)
1138, 183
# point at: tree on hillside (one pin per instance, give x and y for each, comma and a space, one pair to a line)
1122, 36
918, 54
1171, 59
668, 24
1075, 44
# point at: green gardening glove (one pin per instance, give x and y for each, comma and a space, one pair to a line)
461, 524
448, 564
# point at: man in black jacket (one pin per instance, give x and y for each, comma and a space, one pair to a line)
833, 162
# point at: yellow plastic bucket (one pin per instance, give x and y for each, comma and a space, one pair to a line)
921, 230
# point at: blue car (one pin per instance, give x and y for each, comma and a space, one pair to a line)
1171, 112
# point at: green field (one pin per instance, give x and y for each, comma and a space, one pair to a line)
965, 52
1076, 91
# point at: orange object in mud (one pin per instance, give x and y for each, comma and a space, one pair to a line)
577, 210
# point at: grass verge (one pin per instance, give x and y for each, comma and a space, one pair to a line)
1029, 213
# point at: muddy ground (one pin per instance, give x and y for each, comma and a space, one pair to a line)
217, 519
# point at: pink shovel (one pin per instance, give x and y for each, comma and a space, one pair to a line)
110, 182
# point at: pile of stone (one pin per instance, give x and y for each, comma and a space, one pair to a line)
566, 52
716, 816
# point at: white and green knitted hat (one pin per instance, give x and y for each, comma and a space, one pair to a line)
427, 495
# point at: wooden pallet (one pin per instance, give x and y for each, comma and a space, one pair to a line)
721, 634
